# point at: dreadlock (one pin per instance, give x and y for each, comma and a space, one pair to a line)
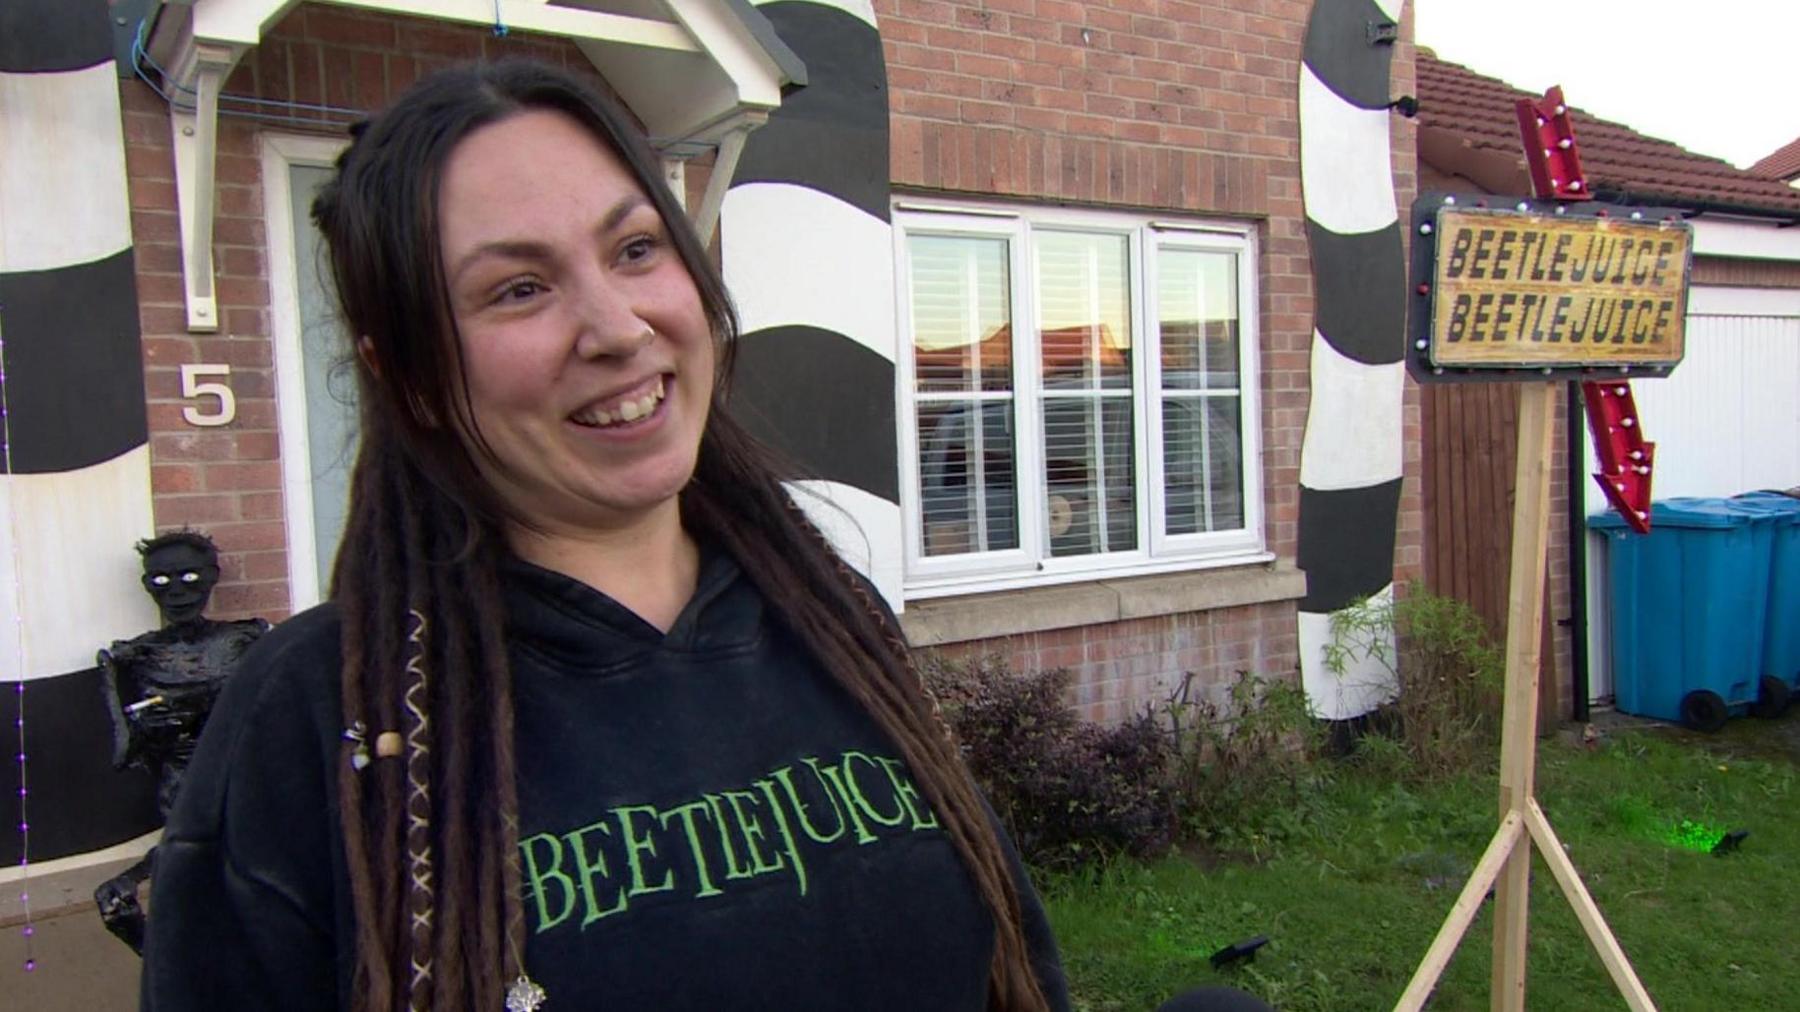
431, 840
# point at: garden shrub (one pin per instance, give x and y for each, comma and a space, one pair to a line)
1245, 773
1449, 672
1068, 790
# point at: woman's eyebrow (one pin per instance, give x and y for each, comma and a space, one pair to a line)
516, 249
622, 210
528, 249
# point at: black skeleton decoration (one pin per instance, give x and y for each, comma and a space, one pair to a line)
159, 688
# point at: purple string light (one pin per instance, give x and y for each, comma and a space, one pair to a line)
30, 929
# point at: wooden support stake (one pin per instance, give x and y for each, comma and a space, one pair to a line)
1507, 861
1605, 945
1510, 835
1524, 644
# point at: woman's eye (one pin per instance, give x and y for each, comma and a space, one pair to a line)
639, 249
160, 580
190, 577
518, 291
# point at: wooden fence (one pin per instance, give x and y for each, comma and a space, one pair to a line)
1470, 447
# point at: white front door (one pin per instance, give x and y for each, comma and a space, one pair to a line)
316, 387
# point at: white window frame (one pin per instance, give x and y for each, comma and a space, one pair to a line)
280, 152
1031, 563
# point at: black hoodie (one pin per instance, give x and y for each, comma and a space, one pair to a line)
707, 822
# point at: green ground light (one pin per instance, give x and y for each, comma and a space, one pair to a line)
1696, 836
1639, 817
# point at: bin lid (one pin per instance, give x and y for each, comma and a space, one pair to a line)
1687, 512
1769, 505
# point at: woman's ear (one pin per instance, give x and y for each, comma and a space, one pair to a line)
365, 350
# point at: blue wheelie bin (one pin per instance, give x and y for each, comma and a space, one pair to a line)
1688, 602
1781, 619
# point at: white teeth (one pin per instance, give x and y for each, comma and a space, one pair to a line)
627, 411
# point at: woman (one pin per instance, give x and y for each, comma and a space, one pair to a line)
594, 712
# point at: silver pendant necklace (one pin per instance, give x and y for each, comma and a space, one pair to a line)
525, 995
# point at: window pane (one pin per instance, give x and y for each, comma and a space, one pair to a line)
1197, 318
1092, 504
968, 494
1084, 320
1202, 464
961, 315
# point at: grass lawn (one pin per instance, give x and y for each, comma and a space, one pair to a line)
1352, 884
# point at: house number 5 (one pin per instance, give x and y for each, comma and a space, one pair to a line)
196, 382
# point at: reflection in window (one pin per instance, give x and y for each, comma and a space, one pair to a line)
1084, 317
962, 334
967, 494
1201, 467
1198, 319
1042, 445
962, 366
1084, 348
1197, 329
1091, 503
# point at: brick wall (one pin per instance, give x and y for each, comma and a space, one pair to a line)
227, 480
1562, 602
1123, 667
1431, 178
1409, 551
1184, 106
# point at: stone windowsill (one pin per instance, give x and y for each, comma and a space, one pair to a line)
986, 616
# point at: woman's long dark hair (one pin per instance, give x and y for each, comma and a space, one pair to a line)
432, 840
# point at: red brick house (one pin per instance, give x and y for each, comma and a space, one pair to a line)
1130, 111
1027, 173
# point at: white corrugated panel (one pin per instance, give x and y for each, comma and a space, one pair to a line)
1727, 420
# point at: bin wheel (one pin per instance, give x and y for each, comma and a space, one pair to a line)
1703, 710
1772, 698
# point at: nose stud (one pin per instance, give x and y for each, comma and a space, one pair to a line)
595, 343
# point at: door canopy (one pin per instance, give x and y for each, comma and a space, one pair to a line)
699, 74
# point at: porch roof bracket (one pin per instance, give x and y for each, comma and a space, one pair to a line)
731, 147
690, 102
196, 137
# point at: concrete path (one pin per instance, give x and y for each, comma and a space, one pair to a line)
80, 967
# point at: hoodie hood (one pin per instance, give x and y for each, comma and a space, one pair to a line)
578, 630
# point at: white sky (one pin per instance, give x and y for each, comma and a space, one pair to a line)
1718, 77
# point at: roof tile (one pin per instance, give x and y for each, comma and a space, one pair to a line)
1782, 163
1614, 156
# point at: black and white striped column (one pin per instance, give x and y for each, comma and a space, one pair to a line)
75, 468
1350, 461
807, 247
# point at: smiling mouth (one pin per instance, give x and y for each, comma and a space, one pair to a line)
621, 412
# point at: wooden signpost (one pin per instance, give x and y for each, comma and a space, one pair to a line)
1538, 293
